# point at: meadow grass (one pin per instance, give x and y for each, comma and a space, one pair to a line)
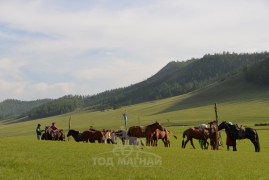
23, 157
27, 158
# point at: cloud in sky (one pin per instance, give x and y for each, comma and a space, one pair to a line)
52, 48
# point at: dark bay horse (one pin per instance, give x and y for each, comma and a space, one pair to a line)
85, 136
196, 134
236, 132
144, 131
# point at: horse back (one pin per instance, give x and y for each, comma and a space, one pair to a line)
136, 131
95, 135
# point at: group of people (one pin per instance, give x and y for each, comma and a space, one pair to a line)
39, 131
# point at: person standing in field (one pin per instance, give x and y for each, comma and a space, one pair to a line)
38, 132
125, 119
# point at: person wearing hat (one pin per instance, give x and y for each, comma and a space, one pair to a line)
38, 132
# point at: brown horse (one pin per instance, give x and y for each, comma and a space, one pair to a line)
164, 135
144, 131
95, 135
214, 135
196, 134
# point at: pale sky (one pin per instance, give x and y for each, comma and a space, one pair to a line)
51, 48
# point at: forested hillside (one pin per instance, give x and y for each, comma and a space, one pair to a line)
11, 107
258, 73
176, 78
59, 106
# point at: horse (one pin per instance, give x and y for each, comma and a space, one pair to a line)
59, 135
122, 135
214, 135
164, 135
144, 131
78, 136
196, 134
236, 132
95, 136
50, 134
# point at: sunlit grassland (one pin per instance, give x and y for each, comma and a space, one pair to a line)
26, 158
23, 157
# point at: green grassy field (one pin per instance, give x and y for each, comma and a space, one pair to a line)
23, 157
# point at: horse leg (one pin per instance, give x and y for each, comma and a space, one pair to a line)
192, 144
255, 144
185, 143
147, 141
182, 146
164, 142
167, 143
234, 148
234, 144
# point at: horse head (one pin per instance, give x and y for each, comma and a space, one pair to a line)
72, 132
157, 125
223, 125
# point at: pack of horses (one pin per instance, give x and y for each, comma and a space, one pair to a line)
153, 132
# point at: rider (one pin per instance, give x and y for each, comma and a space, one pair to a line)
53, 126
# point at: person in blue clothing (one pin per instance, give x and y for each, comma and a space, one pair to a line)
125, 119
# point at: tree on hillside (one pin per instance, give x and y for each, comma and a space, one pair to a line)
258, 73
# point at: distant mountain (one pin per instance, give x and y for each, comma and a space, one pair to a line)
11, 108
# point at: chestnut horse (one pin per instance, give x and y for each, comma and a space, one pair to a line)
236, 132
86, 136
214, 135
196, 134
164, 135
144, 131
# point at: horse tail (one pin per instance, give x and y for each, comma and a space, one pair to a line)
172, 134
